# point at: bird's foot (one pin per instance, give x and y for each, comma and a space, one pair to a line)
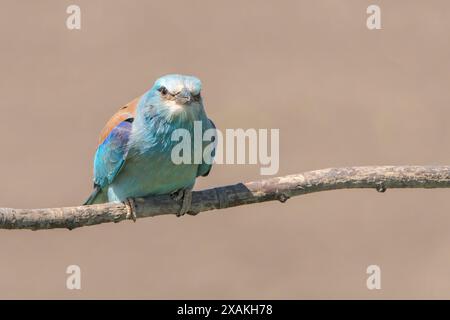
184, 195
131, 209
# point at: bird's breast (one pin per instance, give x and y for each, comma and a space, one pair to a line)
149, 168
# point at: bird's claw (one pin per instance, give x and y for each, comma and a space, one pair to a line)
184, 195
131, 209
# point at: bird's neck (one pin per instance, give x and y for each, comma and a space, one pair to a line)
153, 125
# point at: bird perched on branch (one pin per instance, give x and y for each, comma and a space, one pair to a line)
133, 158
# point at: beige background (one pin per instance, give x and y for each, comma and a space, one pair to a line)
340, 94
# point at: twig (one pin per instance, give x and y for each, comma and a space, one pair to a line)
279, 188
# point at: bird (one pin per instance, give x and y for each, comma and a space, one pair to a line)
133, 156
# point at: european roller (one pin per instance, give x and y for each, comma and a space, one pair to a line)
133, 157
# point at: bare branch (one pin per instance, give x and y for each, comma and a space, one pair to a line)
279, 188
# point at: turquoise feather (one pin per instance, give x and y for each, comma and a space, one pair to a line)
135, 158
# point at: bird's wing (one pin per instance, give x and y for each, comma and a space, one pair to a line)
111, 154
205, 168
113, 145
128, 111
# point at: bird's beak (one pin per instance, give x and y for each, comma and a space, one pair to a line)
184, 96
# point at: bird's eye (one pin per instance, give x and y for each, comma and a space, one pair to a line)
196, 97
163, 90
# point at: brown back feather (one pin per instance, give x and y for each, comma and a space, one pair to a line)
128, 111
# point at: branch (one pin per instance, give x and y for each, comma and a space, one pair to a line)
279, 188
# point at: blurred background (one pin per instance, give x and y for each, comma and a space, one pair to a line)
340, 94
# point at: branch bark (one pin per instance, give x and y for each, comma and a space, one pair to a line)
278, 188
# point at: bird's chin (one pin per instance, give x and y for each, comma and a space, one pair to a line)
183, 110
175, 108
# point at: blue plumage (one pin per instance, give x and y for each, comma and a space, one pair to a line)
111, 154
135, 158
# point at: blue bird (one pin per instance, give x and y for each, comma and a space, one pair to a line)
133, 158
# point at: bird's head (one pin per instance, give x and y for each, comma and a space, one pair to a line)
176, 96
178, 89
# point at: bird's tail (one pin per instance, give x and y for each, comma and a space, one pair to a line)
93, 196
